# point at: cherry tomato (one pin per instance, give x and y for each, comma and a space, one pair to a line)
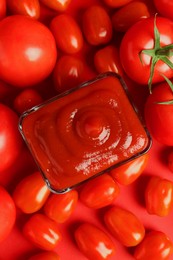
27, 99
158, 117
99, 192
31, 193
93, 242
107, 59
129, 172
164, 7
42, 232
67, 33
45, 256
116, 3
7, 214
125, 226
37, 54
97, 26
10, 138
128, 15
159, 196
59, 207
58, 5
2, 9
141, 47
170, 161
25, 7
155, 245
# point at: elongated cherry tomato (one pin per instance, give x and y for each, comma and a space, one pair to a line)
125, 226
7, 213
164, 7
58, 5
155, 245
107, 59
25, 7
45, 256
128, 15
2, 9
42, 232
59, 207
99, 192
67, 33
159, 196
116, 3
10, 139
93, 242
31, 193
97, 26
129, 172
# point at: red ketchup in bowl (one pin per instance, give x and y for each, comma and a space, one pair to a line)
84, 132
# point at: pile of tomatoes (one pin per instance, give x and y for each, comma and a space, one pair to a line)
46, 48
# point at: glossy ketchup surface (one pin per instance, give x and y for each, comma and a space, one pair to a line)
84, 132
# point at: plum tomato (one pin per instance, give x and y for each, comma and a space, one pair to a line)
60, 207
170, 161
155, 245
27, 99
45, 256
25, 7
96, 25
116, 3
25, 60
107, 59
99, 192
126, 16
124, 226
129, 172
159, 196
57, 5
10, 139
93, 242
164, 7
42, 232
31, 193
2, 9
67, 33
7, 213
158, 116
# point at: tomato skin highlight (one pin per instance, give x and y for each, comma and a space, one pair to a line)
57, 5
31, 193
155, 245
93, 242
42, 232
159, 196
7, 213
99, 192
124, 226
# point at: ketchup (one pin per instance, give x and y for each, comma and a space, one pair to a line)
84, 132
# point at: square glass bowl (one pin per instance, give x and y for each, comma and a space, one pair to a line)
84, 132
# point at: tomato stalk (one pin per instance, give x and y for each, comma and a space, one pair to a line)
169, 102
158, 53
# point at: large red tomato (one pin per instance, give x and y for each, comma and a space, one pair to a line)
164, 7
27, 51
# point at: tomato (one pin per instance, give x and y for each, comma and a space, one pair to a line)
97, 26
99, 192
158, 117
170, 161
159, 196
67, 33
93, 242
107, 59
164, 7
2, 9
60, 207
45, 256
128, 15
129, 172
10, 139
143, 52
31, 193
27, 99
124, 226
155, 245
42, 232
37, 54
7, 213
58, 5
116, 3
25, 7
